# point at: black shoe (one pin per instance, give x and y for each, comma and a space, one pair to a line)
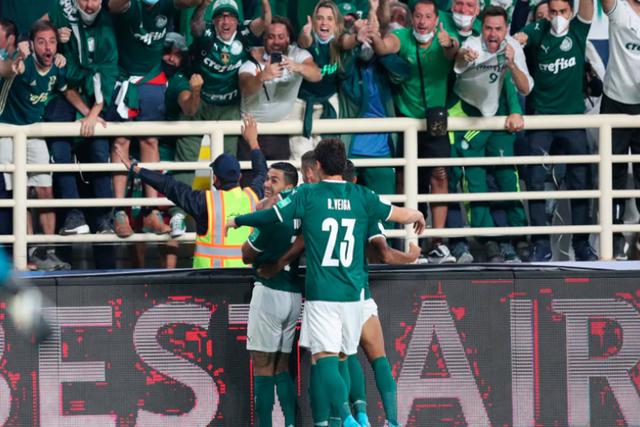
74, 223
541, 251
493, 252
584, 252
620, 248
105, 225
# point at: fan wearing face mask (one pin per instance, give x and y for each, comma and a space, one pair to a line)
462, 22
429, 43
556, 53
88, 43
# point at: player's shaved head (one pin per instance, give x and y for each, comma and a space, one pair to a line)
331, 156
289, 171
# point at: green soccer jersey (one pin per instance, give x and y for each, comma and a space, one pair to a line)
272, 241
218, 62
557, 67
335, 218
178, 83
24, 97
435, 68
91, 52
140, 32
328, 86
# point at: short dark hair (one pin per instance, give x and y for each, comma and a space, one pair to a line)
494, 11
288, 170
283, 21
349, 173
9, 28
40, 26
308, 160
332, 156
570, 3
425, 2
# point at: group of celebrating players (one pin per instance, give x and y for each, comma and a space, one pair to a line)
337, 223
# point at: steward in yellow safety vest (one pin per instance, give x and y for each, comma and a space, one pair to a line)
210, 209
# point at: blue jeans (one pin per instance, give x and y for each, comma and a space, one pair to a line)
61, 150
577, 176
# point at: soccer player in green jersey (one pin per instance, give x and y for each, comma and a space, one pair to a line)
556, 51
335, 216
275, 303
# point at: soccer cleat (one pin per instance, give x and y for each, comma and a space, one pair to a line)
178, 225
363, 419
74, 223
350, 422
154, 223
440, 254
121, 224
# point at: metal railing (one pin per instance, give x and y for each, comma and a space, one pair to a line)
410, 162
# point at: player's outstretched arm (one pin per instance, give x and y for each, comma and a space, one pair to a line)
408, 216
379, 252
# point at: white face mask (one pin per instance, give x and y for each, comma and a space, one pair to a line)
396, 25
559, 26
462, 21
320, 41
423, 38
88, 18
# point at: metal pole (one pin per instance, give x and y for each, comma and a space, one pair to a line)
20, 199
605, 202
410, 177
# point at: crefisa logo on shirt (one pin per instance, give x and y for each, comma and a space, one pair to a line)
566, 44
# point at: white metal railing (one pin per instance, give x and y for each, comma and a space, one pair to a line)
410, 162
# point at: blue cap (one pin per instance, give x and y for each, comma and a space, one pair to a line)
226, 167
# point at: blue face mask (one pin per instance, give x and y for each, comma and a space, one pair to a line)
320, 41
3, 54
150, 2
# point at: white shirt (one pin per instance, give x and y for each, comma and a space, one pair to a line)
274, 101
479, 83
622, 80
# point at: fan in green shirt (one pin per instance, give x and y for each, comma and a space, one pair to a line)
434, 47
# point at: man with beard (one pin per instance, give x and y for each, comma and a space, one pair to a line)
491, 70
275, 303
556, 51
141, 27
269, 83
430, 51
89, 45
25, 88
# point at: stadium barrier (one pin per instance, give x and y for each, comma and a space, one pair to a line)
467, 347
410, 162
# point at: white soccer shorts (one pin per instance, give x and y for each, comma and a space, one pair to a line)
273, 316
369, 309
331, 327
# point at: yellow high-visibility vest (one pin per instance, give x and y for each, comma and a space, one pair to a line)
214, 249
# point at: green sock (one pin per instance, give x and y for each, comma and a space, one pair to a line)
357, 392
319, 400
387, 387
333, 385
343, 367
264, 398
287, 396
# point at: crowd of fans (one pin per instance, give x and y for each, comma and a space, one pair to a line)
102, 61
